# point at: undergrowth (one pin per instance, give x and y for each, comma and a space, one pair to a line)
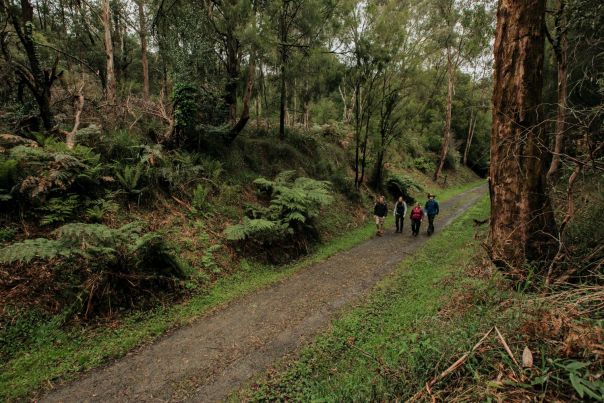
52, 350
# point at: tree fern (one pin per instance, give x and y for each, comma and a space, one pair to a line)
292, 202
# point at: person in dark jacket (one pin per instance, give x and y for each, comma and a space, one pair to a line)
416, 216
380, 210
432, 211
400, 210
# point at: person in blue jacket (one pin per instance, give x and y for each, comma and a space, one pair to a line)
432, 211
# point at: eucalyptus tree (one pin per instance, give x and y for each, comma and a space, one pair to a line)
462, 31
522, 220
400, 34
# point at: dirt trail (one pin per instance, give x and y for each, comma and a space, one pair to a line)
211, 358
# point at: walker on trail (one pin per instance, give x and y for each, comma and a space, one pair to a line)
432, 210
380, 210
416, 216
400, 210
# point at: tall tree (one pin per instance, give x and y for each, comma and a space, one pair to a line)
110, 84
463, 37
32, 75
142, 30
522, 221
559, 44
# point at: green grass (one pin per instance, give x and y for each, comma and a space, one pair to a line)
62, 352
395, 342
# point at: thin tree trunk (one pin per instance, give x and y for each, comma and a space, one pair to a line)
245, 113
447, 130
522, 221
560, 49
142, 26
345, 110
110, 90
283, 89
357, 132
471, 128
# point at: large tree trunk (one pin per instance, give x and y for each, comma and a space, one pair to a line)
447, 130
110, 90
522, 221
560, 50
142, 26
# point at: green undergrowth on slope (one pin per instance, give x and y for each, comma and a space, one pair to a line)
416, 323
60, 352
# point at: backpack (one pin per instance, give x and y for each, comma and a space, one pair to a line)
416, 213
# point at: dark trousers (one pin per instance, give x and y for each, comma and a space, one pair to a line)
431, 224
399, 219
415, 226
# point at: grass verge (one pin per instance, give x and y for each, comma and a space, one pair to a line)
62, 352
416, 323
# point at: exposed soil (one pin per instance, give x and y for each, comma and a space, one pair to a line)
211, 358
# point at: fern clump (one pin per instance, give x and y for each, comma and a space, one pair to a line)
398, 185
106, 267
287, 221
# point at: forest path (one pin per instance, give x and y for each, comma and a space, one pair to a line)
211, 358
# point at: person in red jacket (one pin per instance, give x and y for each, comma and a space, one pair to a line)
416, 216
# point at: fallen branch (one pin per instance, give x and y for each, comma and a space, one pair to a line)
506, 347
449, 370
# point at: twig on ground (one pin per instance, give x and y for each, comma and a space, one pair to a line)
506, 347
452, 368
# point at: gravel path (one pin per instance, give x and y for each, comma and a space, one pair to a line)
211, 358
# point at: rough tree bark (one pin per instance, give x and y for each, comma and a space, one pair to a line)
559, 44
142, 27
522, 221
110, 86
447, 130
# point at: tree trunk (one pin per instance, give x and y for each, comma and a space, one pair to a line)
282, 101
522, 221
560, 49
110, 90
447, 130
245, 113
357, 131
37, 80
142, 26
471, 128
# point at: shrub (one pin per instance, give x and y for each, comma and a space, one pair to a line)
287, 221
398, 185
200, 199
54, 169
424, 164
96, 267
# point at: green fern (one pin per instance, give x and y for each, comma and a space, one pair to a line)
129, 178
293, 204
30, 249
59, 209
253, 228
